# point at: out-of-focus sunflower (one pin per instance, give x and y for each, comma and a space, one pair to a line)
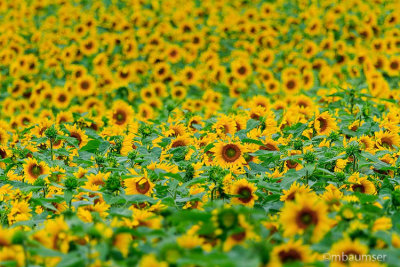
121, 114
33, 169
244, 192
307, 212
78, 134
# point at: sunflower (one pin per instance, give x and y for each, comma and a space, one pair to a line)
294, 190
189, 76
61, 98
20, 211
145, 112
244, 193
289, 253
293, 163
121, 114
160, 89
229, 154
306, 212
324, 123
349, 251
161, 71
151, 260
180, 141
366, 143
393, 66
195, 123
85, 85
98, 179
89, 46
4, 136
64, 117
225, 125
196, 204
128, 144
387, 140
178, 92
291, 84
240, 234
33, 169
78, 134
241, 69
4, 153
139, 185
143, 218
361, 184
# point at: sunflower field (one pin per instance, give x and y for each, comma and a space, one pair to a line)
199, 133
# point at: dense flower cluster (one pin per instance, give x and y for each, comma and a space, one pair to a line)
199, 133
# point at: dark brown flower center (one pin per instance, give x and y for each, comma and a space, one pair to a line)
142, 188
3, 153
231, 153
268, 147
348, 253
245, 195
62, 98
306, 217
239, 236
178, 143
85, 85
290, 255
394, 65
358, 188
36, 170
387, 142
290, 84
242, 70
323, 124
119, 117
77, 136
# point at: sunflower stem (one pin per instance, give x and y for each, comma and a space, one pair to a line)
51, 149
25, 253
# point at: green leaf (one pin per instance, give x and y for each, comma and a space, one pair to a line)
92, 146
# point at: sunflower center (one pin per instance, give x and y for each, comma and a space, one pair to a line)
36, 170
358, 188
3, 153
394, 65
77, 136
239, 236
387, 142
291, 164
62, 98
306, 218
242, 70
231, 152
348, 253
290, 84
245, 194
178, 143
189, 75
120, 117
268, 147
124, 74
290, 255
323, 124
85, 85
142, 188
